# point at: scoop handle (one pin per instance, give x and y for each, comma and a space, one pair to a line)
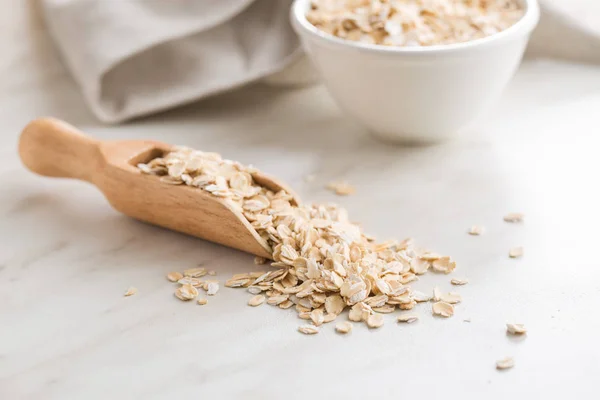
52, 147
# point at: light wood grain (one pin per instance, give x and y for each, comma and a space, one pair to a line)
53, 148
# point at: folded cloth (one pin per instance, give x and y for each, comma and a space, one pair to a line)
137, 57
568, 29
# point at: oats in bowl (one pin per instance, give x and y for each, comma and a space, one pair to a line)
413, 22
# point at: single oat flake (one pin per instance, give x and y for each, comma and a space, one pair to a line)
202, 302
375, 321
450, 297
444, 264
334, 304
430, 257
211, 288
408, 319
514, 217
254, 290
419, 266
385, 309
420, 297
476, 230
505, 363
516, 329
174, 276
287, 304
443, 309
357, 315
317, 316
195, 272
343, 327
308, 329
131, 291
515, 252
186, 292
341, 188
458, 281
259, 260
327, 318
437, 294
186, 280
256, 300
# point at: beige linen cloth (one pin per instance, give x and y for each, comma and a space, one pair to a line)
136, 57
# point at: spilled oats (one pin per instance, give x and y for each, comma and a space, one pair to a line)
324, 263
515, 252
516, 329
514, 217
505, 363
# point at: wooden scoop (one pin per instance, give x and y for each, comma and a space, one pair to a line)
54, 148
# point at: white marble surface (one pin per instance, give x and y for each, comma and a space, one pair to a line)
66, 331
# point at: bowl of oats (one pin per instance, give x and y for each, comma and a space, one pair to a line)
415, 70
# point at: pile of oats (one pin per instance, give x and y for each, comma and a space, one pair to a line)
325, 263
414, 22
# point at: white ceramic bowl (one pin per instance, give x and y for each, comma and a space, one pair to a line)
418, 94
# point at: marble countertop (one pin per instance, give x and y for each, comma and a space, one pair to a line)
66, 258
